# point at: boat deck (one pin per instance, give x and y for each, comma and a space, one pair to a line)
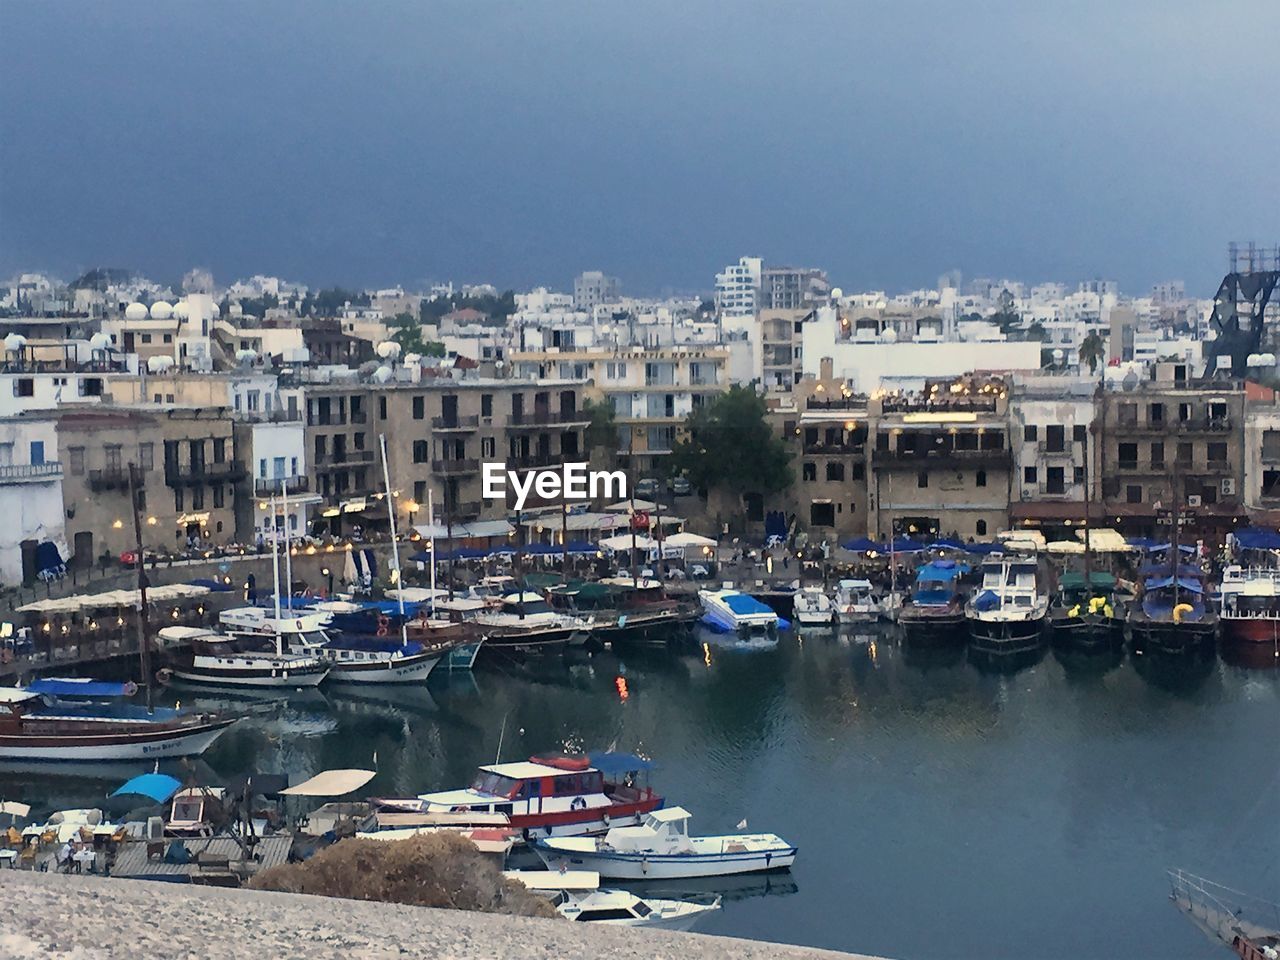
132, 861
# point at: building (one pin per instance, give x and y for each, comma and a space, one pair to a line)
792, 288
190, 476
279, 486
1261, 483
1055, 467
780, 348
827, 428
738, 288
33, 542
593, 289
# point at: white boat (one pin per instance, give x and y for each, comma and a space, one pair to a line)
526, 623
577, 896
1007, 613
855, 602
736, 612
240, 660
813, 607
660, 848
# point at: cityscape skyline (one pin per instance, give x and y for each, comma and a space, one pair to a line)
462, 142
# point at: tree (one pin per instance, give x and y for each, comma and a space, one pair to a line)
602, 431
1093, 350
1036, 331
731, 445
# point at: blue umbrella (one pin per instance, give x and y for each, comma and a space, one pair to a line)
154, 786
864, 545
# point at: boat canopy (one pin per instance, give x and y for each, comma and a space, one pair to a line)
1064, 547
612, 764
743, 603
331, 783
939, 571
689, 540
1184, 583
1099, 579
76, 687
1257, 538
155, 786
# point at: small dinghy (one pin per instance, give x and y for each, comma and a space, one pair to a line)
577, 896
660, 848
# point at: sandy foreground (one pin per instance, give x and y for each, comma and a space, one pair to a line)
56, 917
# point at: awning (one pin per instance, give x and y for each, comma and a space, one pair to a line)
465, 531
612, 763
1258, 538
157, 786
14, 809
688, 540
75, 688
863, 545
1065, 547
626, 542
331, 783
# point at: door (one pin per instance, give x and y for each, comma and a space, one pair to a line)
82, 550
28, 548
37, 453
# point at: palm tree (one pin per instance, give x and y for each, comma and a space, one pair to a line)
1093, 350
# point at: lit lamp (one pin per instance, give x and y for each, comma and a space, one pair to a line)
326, 572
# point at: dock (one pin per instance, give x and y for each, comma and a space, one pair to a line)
218, 861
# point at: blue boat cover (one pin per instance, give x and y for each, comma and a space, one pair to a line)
985, 548
1258, 538
986, 600
742, 603
214, 586
158, 786
947, 544
612, 763
940, 570
904, 545
60, 687
1184, 583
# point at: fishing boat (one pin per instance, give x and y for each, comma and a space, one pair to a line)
246, 659
660, 848
73, 719
813, 608
623, 609
1172, 616
935, 611
524, 623
1087, 612
1250, 607
462, 610
577, 896
549, 795
1006, 615
855, 602
731, 611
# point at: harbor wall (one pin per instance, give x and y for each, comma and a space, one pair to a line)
91, 918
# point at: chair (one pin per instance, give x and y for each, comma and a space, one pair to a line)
28, 856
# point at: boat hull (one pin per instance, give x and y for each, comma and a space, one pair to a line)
281, 679
1166, 637
932, 628
857, 616
1087, 632
535, 642
412, 669
1251, 630
463, 656
142, 745
1006, 638
655, 866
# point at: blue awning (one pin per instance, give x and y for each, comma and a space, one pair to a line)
1184, 583
157, 786
612, 764
904, 545
73, 688
940, 571
1258, 538
864, 545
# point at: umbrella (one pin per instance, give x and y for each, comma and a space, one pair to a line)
864, 545
158, 787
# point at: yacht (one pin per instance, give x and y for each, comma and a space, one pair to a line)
855, 602
935, 613
1250, 608
525, 623
1006, 615
577, 896
813, 608
735, 612
247, 659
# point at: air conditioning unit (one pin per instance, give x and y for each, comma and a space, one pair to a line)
1193, 500
1228, 486
155, 829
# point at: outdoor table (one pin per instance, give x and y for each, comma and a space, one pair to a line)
10, 857
81, 857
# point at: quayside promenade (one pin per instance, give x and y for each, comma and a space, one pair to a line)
83, 918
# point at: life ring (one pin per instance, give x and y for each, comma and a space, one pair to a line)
579, 803
383, 626
164, 675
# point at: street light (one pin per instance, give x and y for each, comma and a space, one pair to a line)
326, 572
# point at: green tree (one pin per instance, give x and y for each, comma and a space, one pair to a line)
1036, 331
731, 445
602, 431
1093, 351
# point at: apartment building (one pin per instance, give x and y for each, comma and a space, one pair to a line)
1055, 453
827, 428
33, 540
738, 288
780, 350
792, 288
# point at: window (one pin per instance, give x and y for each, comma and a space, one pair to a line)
1128, 456
147, 456
1185, 411
262, 467
858, 471
75, 461
1030, 475
1185, 453
1271, 445
111, 456
486, 404
24, 387
1029, 433
197, 498
1055, 480
420, 493
1128, 414
1133, 493
219, 449
382, 408
809, 471
822, 514
922, 479
219, 495
980, 478
980, 528
357, 440
1055, 438
421, 451
177, 500
1217, 453
1077, 474
835, 471
1157, 456
488, 447
168, 338
419, 407
146, 338
1079, 433
1155, 414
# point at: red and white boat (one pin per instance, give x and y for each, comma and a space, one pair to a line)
552, 795
1250, 610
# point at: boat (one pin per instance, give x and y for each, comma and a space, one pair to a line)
1006, 615
623, 609
1172, 616
491, 833
1250, 606
462, 610
855, 602
72, 719
935, 612
660, 848
812, 607
239, 660
577, 896
732, 611
523, 623
548, 795
1088, 613
1249, 925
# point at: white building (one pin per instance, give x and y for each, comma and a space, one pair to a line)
738, 288
276, 456
30, 500
593, 289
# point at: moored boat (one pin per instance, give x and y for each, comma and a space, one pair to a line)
524, 623
577, 897
855, 602
1172, 616
239, 660
935, 612
1250, 607
1088, 614
735, 612
1006, 615
813, 608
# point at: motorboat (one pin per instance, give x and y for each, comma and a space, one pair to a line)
245, 659
1250, 606
935, 613
577, 896
855, 602
524, 622
732, 611
813, 608
1006, 615
1088, 613
73, 719
660, 848
548, 795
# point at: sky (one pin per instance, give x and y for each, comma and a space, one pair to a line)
520, 143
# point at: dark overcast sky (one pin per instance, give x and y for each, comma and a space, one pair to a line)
522, 142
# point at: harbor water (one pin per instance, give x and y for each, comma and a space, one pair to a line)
941, 811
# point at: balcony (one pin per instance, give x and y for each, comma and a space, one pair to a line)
1065, 450
277, 486
820, 449
455, 423
546, 418
917, 405
342, 458
194, 474
836, 403
942, 457
334, 419
112, 478
33, 472
533, 461
1058, 491
454, 468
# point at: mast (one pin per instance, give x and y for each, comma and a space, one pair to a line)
1175, 548
144, 645
275, 570
657, 512
288, 559
517, 562
564, 539
395, 544
635, 581
431, 523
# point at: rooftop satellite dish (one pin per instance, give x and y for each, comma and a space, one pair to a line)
182, 310
14, 342
836, 293
246, 356
100, 341
1059, 355
161, 310
388, 350
159, 363
135, 311
412, 359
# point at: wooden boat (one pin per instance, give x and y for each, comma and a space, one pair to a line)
245, 659
935, 612
1088, 614
1172, 616
36, 724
